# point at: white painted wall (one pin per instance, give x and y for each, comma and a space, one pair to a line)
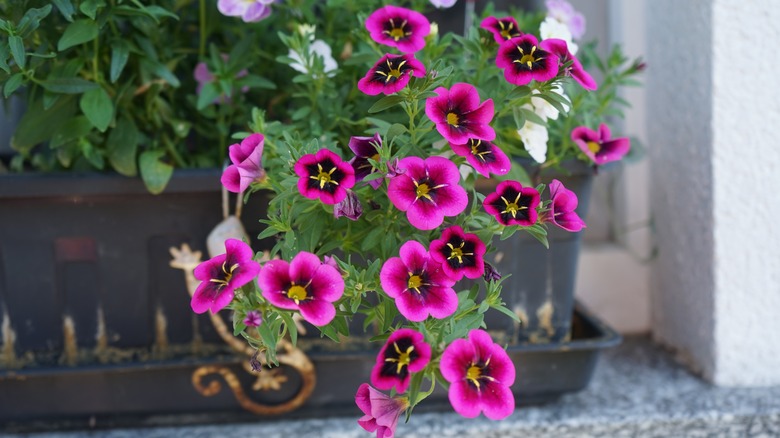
712, 116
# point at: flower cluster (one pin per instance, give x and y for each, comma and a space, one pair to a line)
387, 179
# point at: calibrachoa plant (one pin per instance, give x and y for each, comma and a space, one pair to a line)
391, 175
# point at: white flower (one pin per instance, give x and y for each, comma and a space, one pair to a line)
534, 139
544, 108
552, 28
318, 48
443, 3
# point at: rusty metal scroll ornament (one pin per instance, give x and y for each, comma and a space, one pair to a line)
267, 380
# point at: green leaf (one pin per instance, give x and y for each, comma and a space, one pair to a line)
208, 94
38, 125
78, 32
74, 129
66, 8
12, 84
161, 71
97, 106
122, 147
395, 130
17, 50
4, 53
254, 81
32, 20
68, 85
291, 327
508, 313
90, 7
120, 51
385, 103
92, 155
518, 92
154, 172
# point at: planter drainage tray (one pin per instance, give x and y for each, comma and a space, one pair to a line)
152, 392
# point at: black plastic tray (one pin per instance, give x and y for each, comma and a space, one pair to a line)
161, 393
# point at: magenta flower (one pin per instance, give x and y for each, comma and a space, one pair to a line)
325, 176
404, 353
485, 157
304, 284
523, 59
480, 373
253, 319
249, 10
398, 27
223, 274
427, 190
390, 74
381, 412
247, 164
502, 28
349, 207
564, 12
562, 208
418, 284
513, 204
559, 48
203, 76
365, 148
599, 146
459, 116
459, 253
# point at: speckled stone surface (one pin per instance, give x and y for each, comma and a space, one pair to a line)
637, 391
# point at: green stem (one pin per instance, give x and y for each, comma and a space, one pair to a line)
202, 45
96, 47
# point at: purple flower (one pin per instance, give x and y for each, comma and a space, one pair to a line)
404, 353
559, 48
491, 273
365, 148
203, 76
502, 28
459, 115
599, 146
390, 74
562, 208
253, 319
427, 191
349, 207
221, 275
381, 412
459, 253
247, 164
523, 59
480, 373
485, 157
249, 10
443, 3
398, 27
564, 12
325, 176
513, 204
304, 284
418, 284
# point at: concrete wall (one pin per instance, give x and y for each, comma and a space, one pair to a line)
712, 113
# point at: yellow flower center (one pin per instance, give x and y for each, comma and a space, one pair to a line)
397, 32
594, 147
527, 58
506, 32
297, 293
404, 357
513, 207
324, 177
452, 119
222, 282
415, 281
473, 374
422, 191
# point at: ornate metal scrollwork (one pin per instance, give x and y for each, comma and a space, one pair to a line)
268, 380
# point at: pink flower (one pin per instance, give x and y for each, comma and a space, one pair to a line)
502, 28
480, 373
325, 176
305, 284
253, 319
398, 27
247, 164
562, 208
381, 412
513, 204
599, 146
390, 74
365, 148
523, 59
223, 274
418, 284
427, 190
484, 157
459, 253
404, 353
560, 49
203, 76
458, 114
249, 10
564, 12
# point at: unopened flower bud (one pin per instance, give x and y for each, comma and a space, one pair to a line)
491, 273
349, 207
